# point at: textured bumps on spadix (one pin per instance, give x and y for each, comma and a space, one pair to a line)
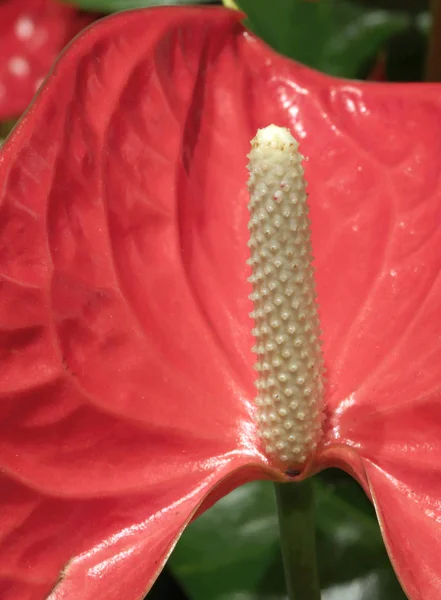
289, 357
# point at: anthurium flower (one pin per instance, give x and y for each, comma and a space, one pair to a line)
32, 34
127, 384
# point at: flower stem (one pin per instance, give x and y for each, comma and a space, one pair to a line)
295, 506
433, 60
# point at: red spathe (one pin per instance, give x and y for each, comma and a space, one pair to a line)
126, 379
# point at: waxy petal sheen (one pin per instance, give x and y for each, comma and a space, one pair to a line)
32, 33
126, 387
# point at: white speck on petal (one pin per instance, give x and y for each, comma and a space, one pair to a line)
24, 28
19, 66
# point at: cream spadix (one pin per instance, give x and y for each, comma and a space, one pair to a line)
287, 331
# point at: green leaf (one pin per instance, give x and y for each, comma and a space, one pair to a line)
334, 37
233, 548
166, 588
405, 55
232, 551
109, 6
6, 128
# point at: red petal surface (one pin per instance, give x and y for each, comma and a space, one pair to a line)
126, 382
121, 405
380, 295
32, 33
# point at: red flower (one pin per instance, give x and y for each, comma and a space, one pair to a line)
32, 33
126, 380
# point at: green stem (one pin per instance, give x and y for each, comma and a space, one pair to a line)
295, 505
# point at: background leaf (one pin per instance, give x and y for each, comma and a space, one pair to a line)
109, 6
232, 552
409, 5
166, 588
335, 37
